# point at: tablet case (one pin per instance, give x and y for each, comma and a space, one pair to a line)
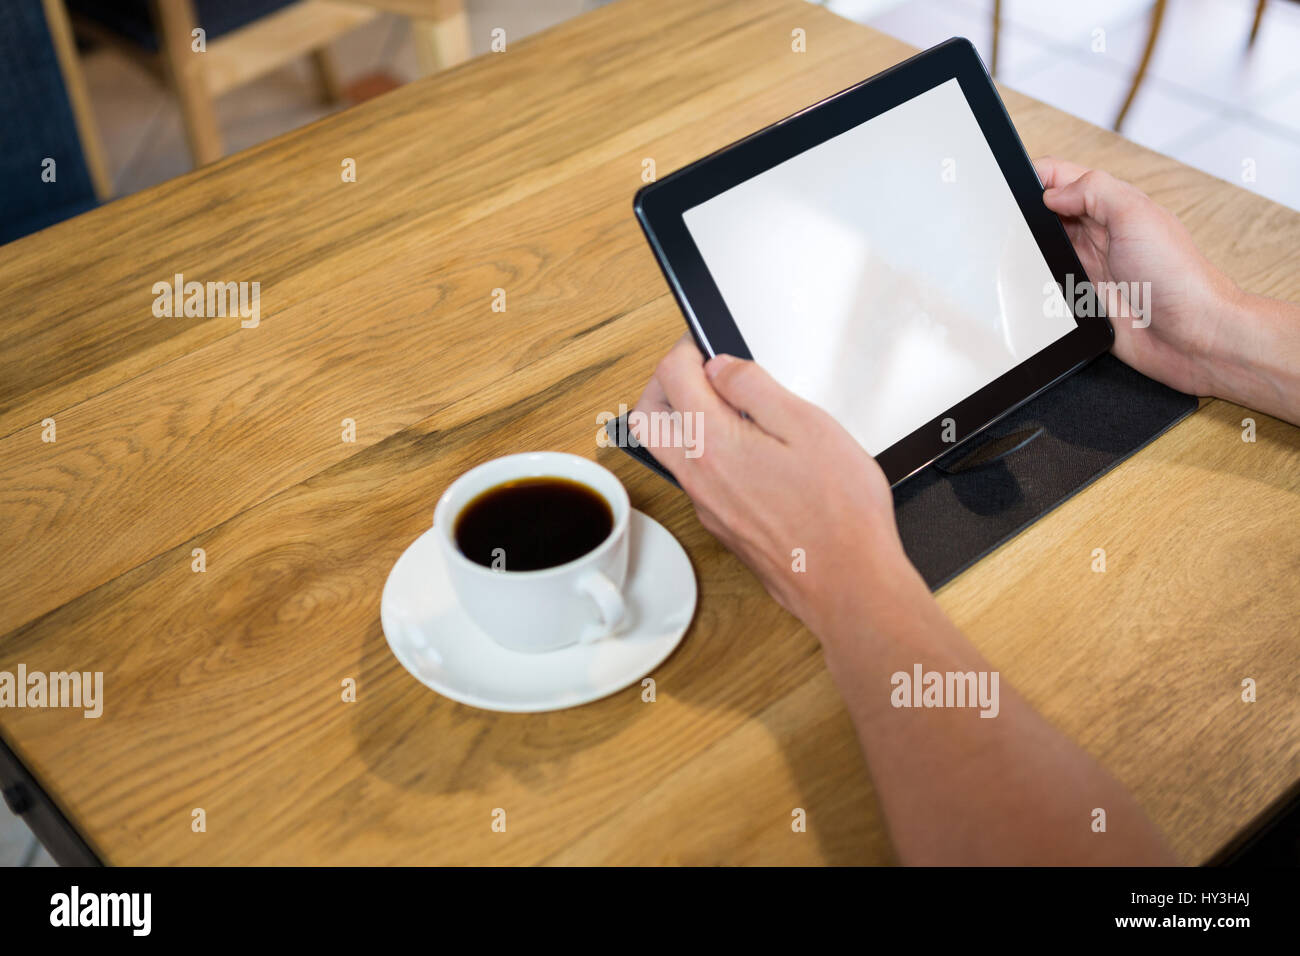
957, 510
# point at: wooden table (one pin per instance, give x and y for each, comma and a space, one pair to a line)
516, 171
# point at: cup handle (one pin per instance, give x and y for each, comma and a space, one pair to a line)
609, 602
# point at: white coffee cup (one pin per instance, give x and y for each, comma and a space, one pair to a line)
549, 608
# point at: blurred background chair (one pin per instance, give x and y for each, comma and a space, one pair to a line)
52, 165
440, 29
241, 40
1153, 35
1157, 19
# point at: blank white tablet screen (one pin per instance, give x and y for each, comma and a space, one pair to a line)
887, 273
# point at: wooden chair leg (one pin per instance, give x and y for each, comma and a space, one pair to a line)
1254, 27
1157, 17
65, 48
997, 29
443, 42
174, 21
327, 75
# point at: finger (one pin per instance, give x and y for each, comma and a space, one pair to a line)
653, 399
675, 401
646, 421
1095, 194
748, 388
1056, 173
681, 373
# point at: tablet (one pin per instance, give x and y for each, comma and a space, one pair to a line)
886, 254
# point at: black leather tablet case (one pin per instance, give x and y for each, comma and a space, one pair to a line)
959, 509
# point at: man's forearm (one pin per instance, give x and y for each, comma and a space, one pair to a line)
958, 788
1255, 361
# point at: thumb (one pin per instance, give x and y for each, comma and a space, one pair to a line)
748, 388
1096, 195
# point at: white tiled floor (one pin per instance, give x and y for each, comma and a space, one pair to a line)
18, 847
1208, 101
15, 839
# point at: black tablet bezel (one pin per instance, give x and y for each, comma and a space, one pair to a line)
660, 205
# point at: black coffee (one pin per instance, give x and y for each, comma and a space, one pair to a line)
533, 523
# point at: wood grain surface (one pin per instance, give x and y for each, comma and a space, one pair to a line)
516, 171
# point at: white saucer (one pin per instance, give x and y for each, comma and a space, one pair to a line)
434, 639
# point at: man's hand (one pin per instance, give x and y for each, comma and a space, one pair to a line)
783, 476
1122, 236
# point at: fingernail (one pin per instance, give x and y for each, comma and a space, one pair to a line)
715, 365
